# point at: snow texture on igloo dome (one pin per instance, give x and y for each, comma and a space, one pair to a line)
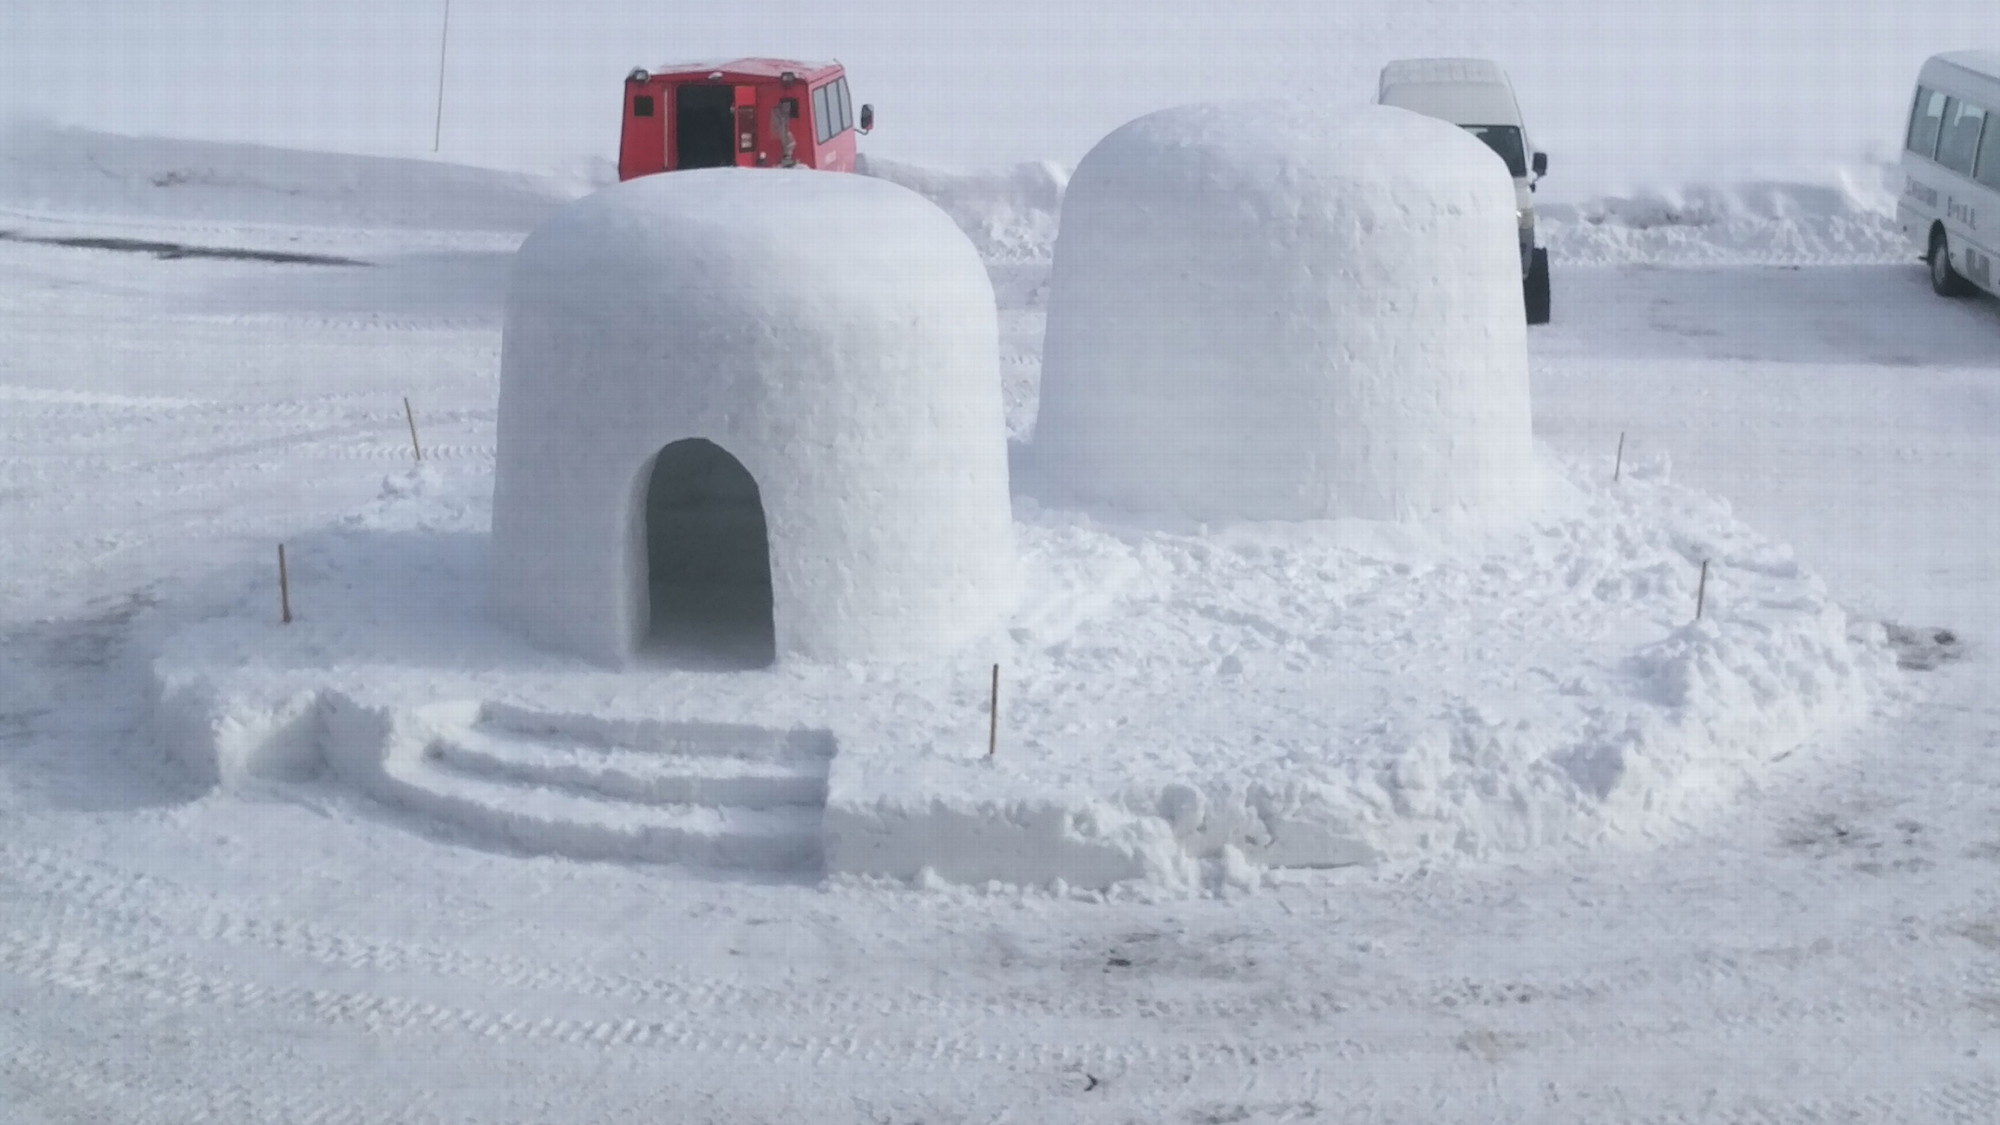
751, 415
1275, 310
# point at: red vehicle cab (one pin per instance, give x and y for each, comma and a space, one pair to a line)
750, 113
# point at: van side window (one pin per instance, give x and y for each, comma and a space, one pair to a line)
1926, 120
846, 106
822, 118
1960, 139
1989, 155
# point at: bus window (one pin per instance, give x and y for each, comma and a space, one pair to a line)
846, 106
1989, 157
1926, 120
1960, 139
823, 122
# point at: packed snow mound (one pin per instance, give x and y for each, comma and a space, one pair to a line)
1849, 220
77, 173
1175, 709
1275, 310
1009, 213
775, 394
1012, 214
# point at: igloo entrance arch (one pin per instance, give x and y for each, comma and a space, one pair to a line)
708, 559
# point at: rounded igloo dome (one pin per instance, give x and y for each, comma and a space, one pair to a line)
751, 414
1275, 310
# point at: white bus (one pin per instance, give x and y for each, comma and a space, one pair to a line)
1950, 206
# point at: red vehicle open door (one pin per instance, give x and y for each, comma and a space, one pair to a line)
748, 113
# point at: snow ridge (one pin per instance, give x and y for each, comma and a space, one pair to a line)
1850, 220
1011, 213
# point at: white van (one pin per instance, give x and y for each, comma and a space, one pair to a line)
1475, 94
1950, 206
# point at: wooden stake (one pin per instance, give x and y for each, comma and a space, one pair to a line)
284, 590
993, 722
412, 416
1701, 591
1620, 466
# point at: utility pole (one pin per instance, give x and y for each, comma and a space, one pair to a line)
444, 38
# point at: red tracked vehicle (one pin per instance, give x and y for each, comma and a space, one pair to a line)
748, 113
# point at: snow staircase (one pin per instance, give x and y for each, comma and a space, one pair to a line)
703, 794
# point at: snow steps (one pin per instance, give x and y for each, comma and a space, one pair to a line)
636, 775
713, 796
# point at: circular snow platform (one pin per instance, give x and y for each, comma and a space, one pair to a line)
1174, 708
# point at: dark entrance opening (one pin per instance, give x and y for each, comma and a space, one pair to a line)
704, 119
708, 560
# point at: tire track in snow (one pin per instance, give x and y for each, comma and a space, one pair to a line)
114, 904
115, 908
354, 427
736, 1022
453, 323
1974, 1103
695, 1010
91, 972
83, 1086
389, 451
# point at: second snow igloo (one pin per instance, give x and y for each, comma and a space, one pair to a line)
748, 415
1281, 311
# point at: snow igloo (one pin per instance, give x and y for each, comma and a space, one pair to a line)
1281, 311
751, 415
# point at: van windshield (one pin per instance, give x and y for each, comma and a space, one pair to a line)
1505, 140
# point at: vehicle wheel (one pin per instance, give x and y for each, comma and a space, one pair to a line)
1536, 287
1945, 281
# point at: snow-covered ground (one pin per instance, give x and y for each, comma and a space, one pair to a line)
1817, 939
1819, 943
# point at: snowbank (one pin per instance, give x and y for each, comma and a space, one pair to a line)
1849, 219
1276, 310
1846, 216
79, 175
55, 179
1009, 213
1172, 706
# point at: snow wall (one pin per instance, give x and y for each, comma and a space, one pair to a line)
831, 341
1274, 310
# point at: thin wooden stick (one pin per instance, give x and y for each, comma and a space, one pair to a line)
993, 722
412, 416
1620, 466
1701, 591
284, 589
